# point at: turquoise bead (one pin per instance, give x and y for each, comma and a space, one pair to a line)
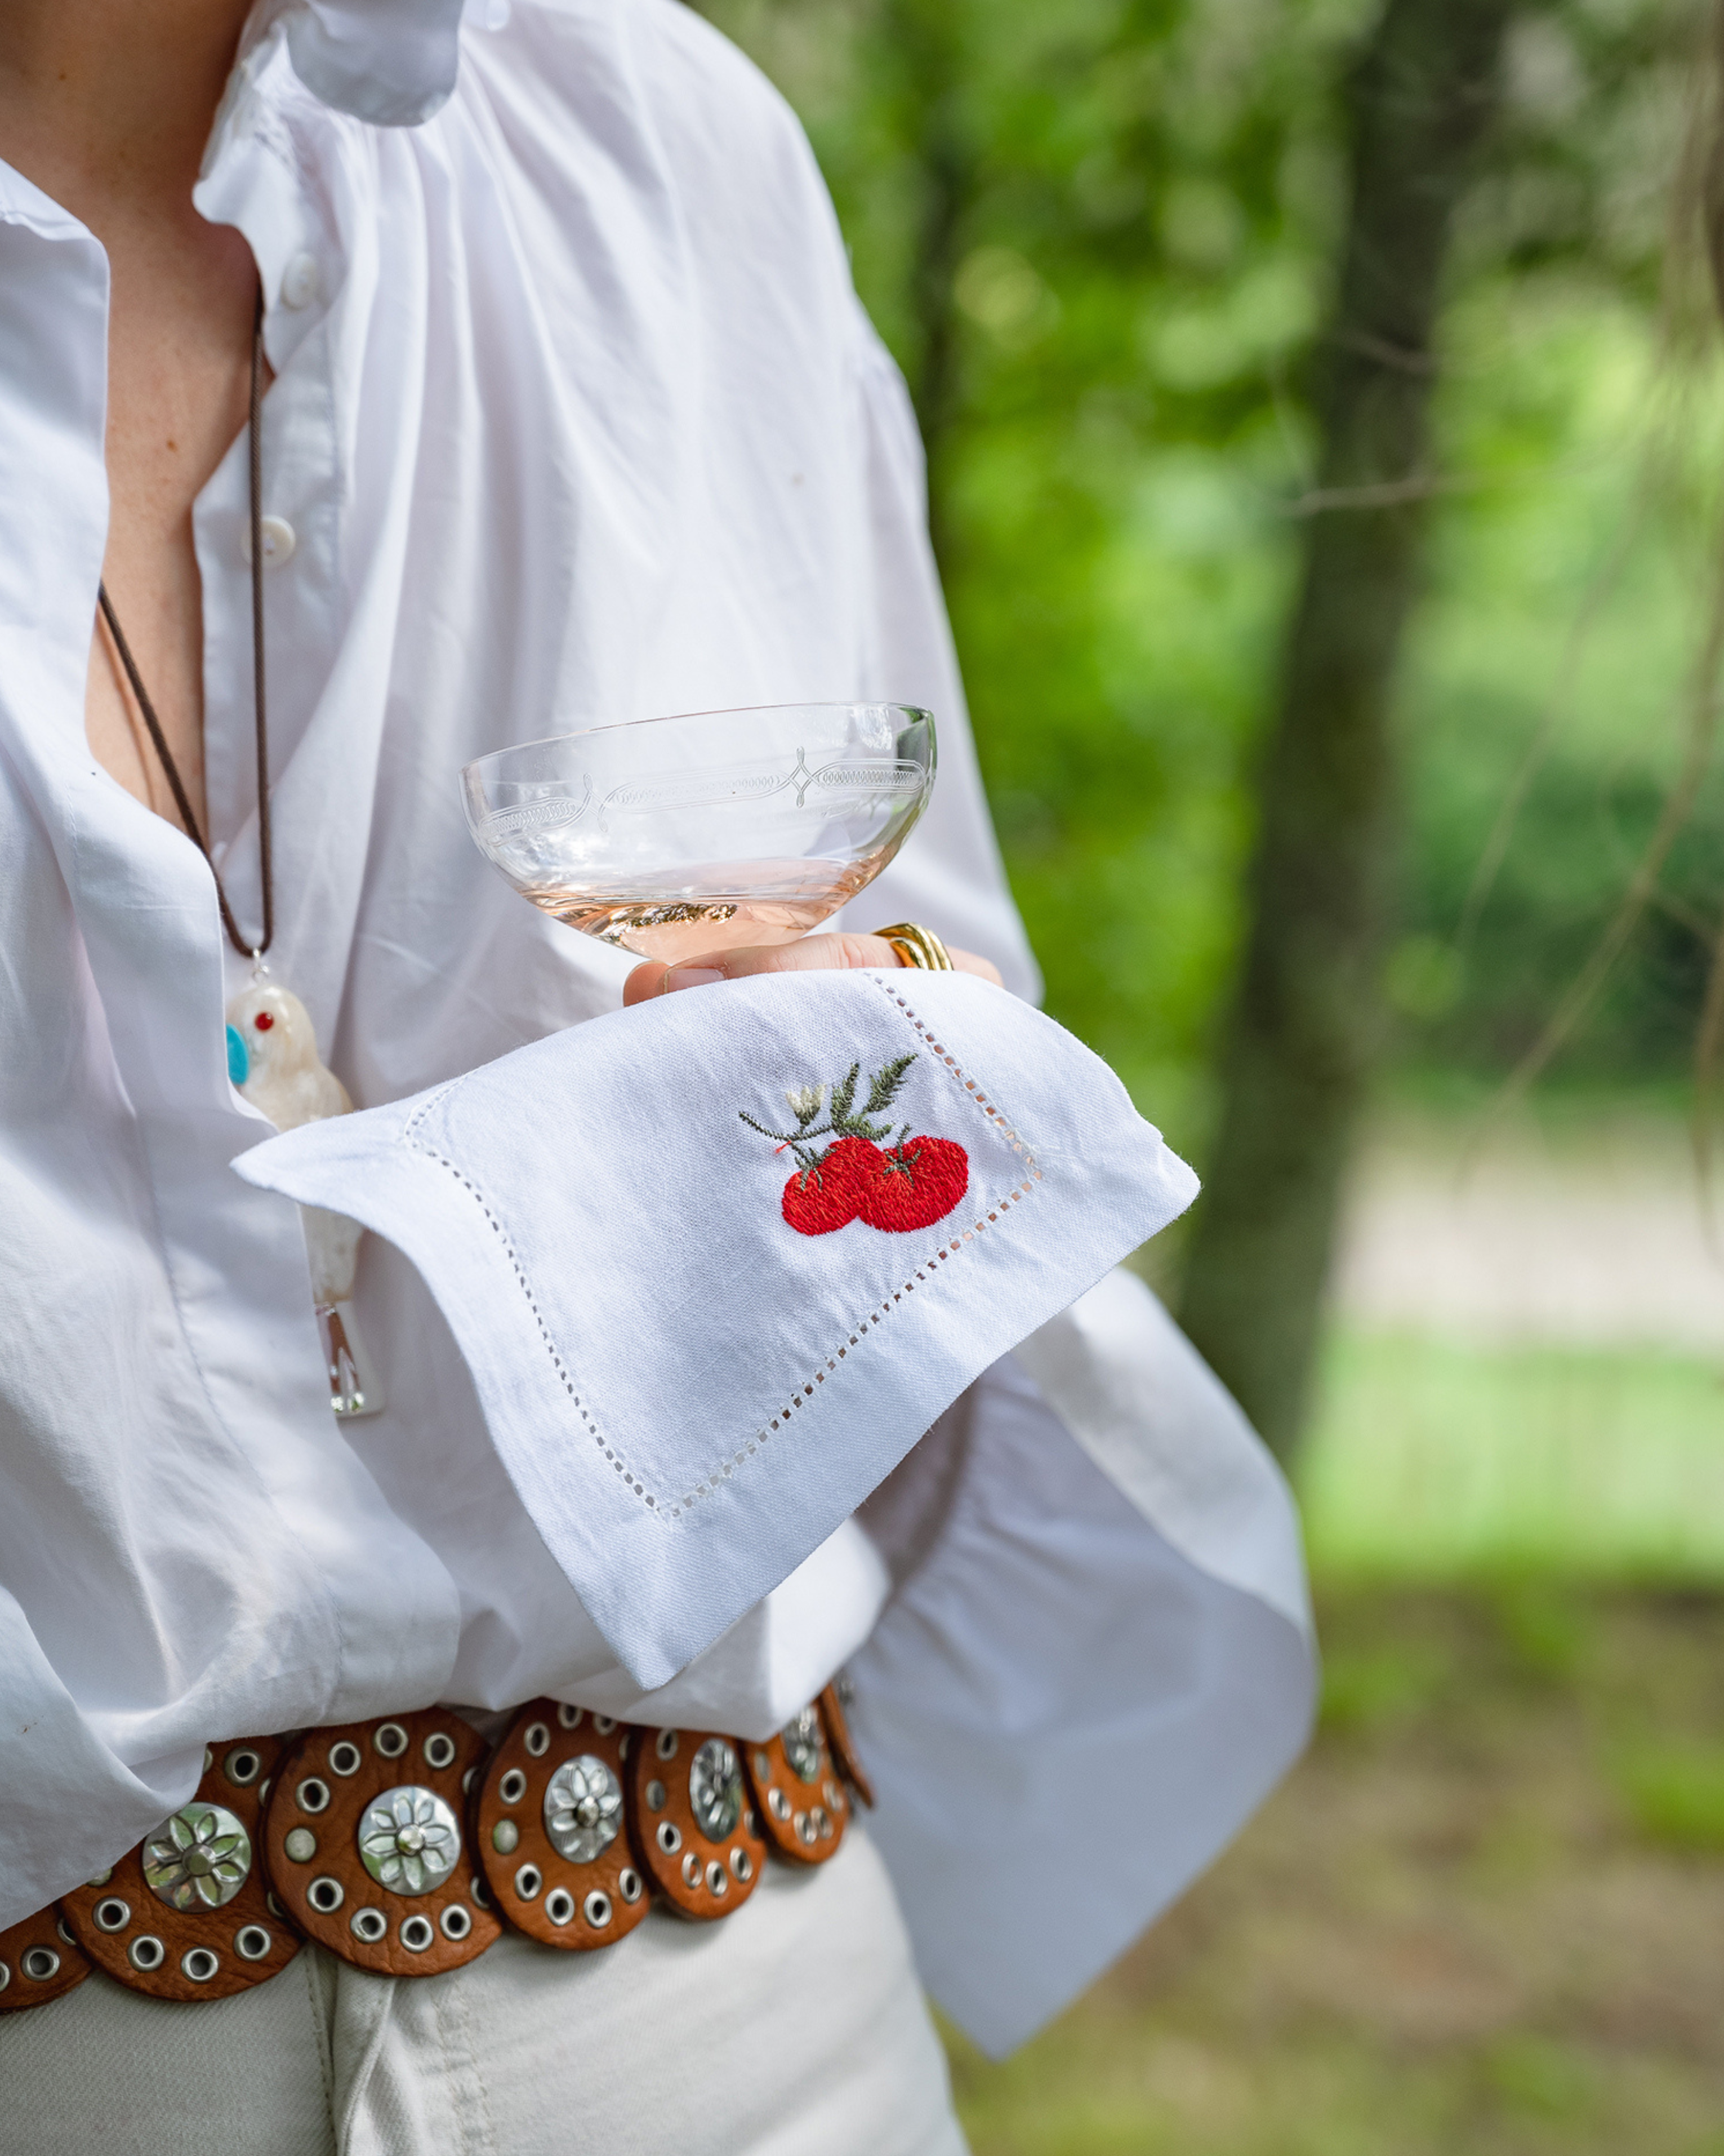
239, 1062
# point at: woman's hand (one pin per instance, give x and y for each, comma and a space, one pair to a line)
811, 954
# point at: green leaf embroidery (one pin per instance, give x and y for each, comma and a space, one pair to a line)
805, 1103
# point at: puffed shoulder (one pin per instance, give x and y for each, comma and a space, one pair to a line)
648, 93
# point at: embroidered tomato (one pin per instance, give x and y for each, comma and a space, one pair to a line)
819, 1199
915, 1184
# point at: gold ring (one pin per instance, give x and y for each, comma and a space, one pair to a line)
918, 947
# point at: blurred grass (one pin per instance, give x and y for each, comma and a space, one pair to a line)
1486, 1914
1434, 1460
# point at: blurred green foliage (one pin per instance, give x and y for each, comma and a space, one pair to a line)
1098, 236
1675, 1793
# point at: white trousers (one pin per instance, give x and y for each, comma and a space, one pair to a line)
795, 2024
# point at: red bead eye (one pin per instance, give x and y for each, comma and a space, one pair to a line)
263, 1021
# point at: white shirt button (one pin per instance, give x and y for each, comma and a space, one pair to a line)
280, 540
300, 281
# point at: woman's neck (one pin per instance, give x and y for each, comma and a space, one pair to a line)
106, 104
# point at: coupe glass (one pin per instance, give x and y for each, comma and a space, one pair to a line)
708, 831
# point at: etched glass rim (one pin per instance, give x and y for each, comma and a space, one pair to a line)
716, 711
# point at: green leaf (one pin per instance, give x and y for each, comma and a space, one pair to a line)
884, 1084
842, 1097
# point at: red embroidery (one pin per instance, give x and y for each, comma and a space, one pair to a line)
826, 1196
915, 1184
907, 1186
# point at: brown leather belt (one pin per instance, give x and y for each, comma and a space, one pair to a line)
406, 1847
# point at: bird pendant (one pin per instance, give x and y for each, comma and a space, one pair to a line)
273, 1060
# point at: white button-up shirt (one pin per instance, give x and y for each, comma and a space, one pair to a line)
575, 419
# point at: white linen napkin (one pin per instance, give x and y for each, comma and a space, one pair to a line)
691, 1373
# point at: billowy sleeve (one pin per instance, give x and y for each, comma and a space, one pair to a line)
1097, 1659
1096, 1662
949, 876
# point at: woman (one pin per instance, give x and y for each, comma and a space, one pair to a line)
561, 410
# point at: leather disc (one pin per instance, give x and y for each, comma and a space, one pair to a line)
367, 1846
549, 1830
38, 1961
187, 1914
803, 1805
842, 1743
692, 1822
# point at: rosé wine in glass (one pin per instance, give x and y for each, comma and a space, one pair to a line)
706, 831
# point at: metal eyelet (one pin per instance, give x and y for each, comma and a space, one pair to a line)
742, 1864
99, 1878
439, 1749
40, 1963
665, 1744
604, 1723
325, 1895
628, 1884
718, 1881
597, 1909
528, 1880
670, 1836
390, 1739
513, 1787
242, 1766
112, 1914
146, 1953
480, 1892
691, 1870
368, 1924
199, 1964
312, 1795
416, 1934
252, 1943
559, 1905
570, 1717
455, 1922
777, 1804
537, 1740
346, 1757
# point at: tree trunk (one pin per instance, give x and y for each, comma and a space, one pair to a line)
1307, 1018
925, 37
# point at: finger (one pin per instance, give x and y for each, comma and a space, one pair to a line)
827, 953
808, 954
